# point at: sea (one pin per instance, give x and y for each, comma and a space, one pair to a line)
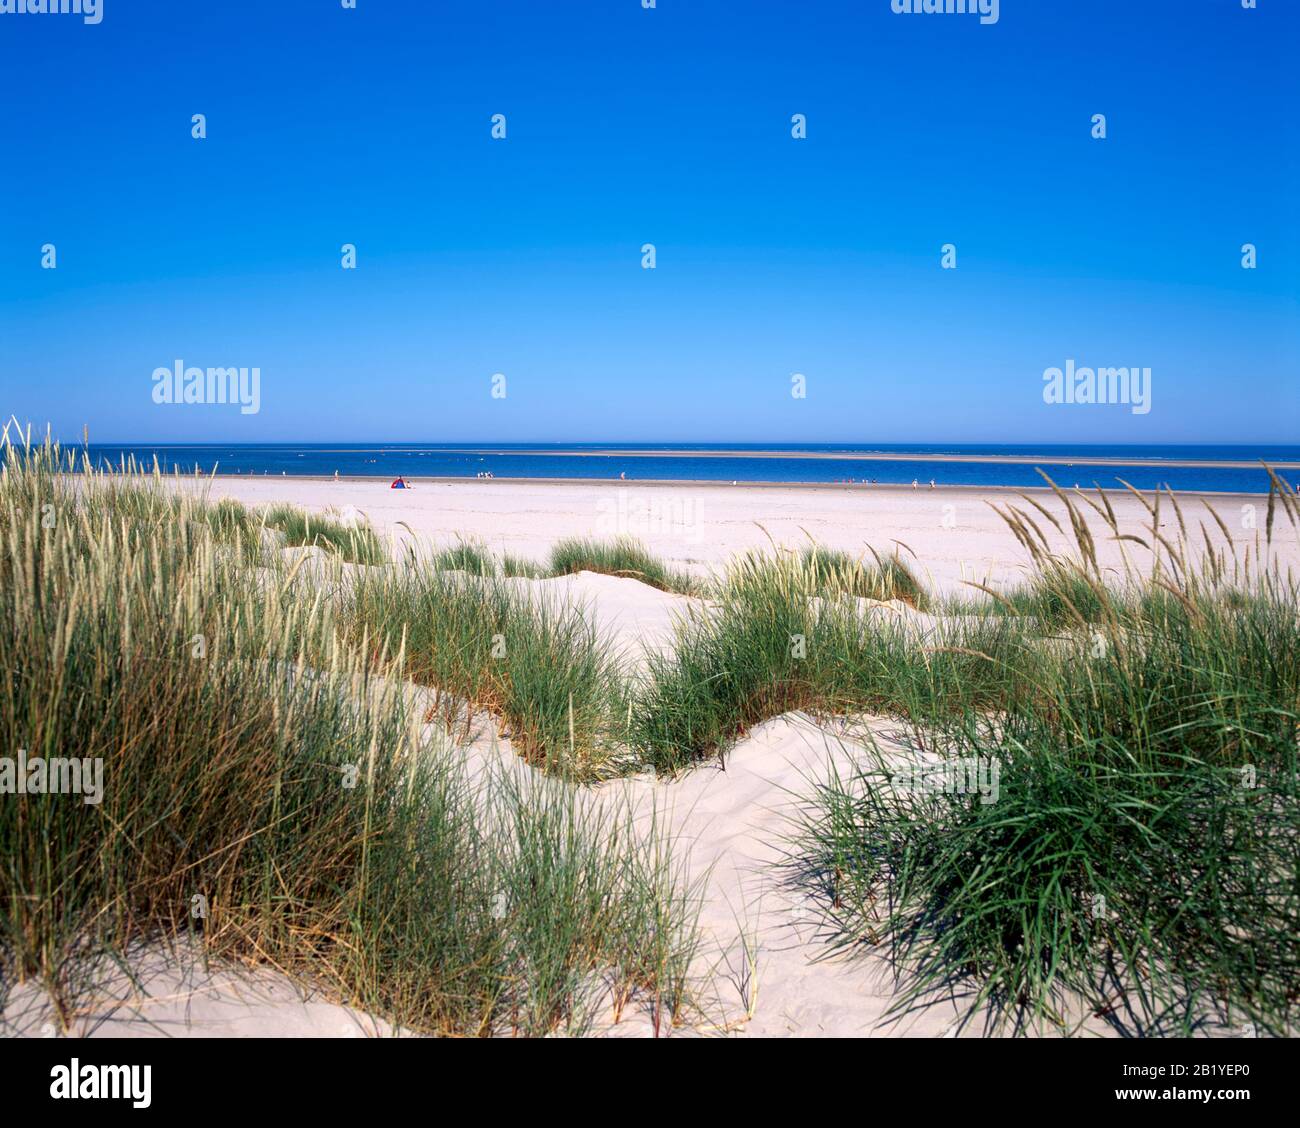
1144, 467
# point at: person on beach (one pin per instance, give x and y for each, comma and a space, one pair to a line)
914, 483
932, 483
336, 475
399, 483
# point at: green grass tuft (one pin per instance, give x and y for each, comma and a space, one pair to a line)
254, 759
357, 544
1138, 853
622, 556
535, 663
466, 556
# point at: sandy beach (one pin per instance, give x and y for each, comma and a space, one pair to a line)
622, 527
764, 951
765, 943
951, 535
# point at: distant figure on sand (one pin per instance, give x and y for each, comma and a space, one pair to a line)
622, 475
932, 483
914, 483
336, 475
399, 483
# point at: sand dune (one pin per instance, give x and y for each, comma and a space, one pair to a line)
765, 945
956, 535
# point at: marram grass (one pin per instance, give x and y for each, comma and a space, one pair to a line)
792, 632
262, 760
622, 556
357, 544
534, 662
268, 793
1141, 852
465, 556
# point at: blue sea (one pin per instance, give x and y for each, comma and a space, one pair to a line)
701, 462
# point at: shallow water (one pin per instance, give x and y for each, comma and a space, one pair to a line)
728, 462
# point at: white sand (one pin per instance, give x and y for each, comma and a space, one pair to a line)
954, 533
174, 995
763, 939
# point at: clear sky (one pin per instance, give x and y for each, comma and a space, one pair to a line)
669, 126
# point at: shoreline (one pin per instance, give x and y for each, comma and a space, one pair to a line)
1046, 458
698, 483
954, 533
734, 803
876, 456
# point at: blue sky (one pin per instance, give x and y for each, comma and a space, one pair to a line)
671, 126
